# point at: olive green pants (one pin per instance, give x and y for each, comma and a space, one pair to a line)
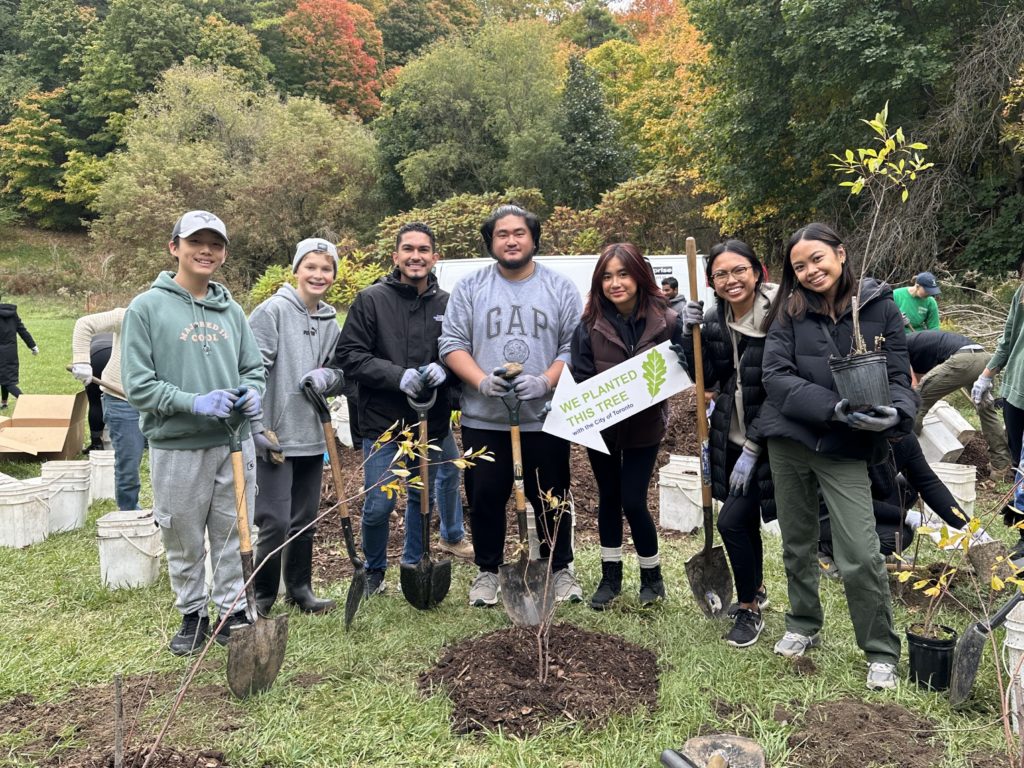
798, 473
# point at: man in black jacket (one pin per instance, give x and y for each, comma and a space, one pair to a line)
388, 346
944, 362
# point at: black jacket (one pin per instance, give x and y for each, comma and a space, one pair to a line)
390, 328
10, 328
929, 348
720, 375
801, 394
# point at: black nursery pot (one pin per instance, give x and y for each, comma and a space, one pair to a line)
862, 379
931, 659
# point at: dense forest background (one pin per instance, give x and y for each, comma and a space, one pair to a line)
648, 121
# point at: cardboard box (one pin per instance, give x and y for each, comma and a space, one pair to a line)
44, 427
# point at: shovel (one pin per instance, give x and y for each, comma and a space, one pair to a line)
967, 655
112, 388
425, 583
255, 652
708, 570
357, 588
527, 588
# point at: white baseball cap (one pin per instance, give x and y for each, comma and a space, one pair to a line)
193, 221
311, 244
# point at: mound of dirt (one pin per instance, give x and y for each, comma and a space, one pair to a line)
492, 680
976, 453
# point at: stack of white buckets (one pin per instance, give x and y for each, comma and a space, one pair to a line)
58, 500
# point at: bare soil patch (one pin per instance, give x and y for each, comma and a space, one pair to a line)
492, 680
976, 453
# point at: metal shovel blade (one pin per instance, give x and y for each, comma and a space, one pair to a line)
425, 584
966, 659
527, 592
710, 581
356, 592
255, 655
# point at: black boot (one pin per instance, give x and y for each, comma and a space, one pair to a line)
610, 586
652, 588
298, 576
267, 580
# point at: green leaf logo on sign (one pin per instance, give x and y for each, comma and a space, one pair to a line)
655, 372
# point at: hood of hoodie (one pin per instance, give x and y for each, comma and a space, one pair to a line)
288, 293
8, 310
217, 296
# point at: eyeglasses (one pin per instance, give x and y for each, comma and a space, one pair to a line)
724, 274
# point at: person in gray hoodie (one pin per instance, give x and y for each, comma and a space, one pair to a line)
296, 332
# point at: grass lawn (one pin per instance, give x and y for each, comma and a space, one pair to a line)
351, 699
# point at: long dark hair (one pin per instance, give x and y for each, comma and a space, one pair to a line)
794, 300
737, 247
648, 296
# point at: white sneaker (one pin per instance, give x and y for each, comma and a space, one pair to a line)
567, 589
794, 644
484, 590
881, 676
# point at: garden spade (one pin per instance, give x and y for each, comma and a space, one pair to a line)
707, 571
967, 655
425, 583
527, 588
357, 588
255, 652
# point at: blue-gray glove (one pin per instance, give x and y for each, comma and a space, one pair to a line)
434, 375
742, 472
841, 413
411, 382
217, 404
249, 402
530, 387
879, 419
321, 379
265, 443
495, 384
692, 314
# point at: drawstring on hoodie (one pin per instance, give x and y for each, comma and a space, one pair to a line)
196, 324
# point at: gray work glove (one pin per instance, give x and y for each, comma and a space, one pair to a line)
216, 404
742, 472
982, 390
878, 419
411, 382
434, 375
250, 403
530, 387
265, 443
35, 350
495, 384
321, 379
692, 314
82, 372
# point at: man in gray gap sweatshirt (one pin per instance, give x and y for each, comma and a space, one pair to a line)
514, 311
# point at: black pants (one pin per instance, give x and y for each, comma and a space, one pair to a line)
739, 523
623, 478
287, 498
1013, 418
9, 389
489, 484
98, 360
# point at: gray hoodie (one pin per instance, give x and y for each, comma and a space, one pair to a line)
293, 342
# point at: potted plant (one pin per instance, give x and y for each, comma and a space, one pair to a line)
891, 166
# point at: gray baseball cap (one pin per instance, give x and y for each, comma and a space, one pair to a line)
193, 221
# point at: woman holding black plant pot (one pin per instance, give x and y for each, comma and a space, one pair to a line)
732, 342
816, 440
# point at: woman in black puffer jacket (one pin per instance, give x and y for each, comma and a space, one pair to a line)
732, 342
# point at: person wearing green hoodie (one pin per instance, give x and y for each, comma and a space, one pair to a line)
187, 354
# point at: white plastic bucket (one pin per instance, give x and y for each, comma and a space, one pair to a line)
69, 502
101, 475
958, 426
24, 515
680, 500
961, 480
938, 443
1013, 658
130, 548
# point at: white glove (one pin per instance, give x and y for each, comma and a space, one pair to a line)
982, 389
35, 350
82, 372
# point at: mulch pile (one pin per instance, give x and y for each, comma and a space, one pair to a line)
492, 680
976, 452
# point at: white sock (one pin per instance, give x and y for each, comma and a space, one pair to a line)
611, 554
650, 562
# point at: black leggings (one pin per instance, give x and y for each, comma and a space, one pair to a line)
489, 484
1013, 418
739, 522
622, 481
9, 389
98, 359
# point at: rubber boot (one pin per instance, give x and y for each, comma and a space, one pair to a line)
610, 586
298, 576
267, 580
652, 588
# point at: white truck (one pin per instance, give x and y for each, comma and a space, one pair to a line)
580, 269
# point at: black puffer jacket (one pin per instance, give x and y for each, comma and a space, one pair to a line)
801, 393
10, 328
720, 375
390, 328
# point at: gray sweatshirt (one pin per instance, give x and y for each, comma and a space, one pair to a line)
293, 342
496, 320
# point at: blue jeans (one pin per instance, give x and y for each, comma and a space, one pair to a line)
123, 425
447, 490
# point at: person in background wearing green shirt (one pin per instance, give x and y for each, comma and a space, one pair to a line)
917, 303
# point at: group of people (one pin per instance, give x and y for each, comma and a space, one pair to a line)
783, 443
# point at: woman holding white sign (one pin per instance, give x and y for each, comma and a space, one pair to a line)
626, 315
732, 342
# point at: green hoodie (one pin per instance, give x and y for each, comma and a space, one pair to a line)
175, 347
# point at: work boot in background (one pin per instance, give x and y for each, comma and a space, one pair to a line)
298, 577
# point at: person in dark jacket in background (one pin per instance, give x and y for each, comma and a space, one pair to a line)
10, 328
945, 362
816, 439
732, 342
625, 316
388, 346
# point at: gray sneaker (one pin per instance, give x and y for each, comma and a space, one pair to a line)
484, 590
567, 589
794, 644
881, 676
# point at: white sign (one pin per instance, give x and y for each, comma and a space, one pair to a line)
580, 411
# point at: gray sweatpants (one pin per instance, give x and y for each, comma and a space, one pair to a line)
193, 495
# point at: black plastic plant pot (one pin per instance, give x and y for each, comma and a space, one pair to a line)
862, 379
931, 658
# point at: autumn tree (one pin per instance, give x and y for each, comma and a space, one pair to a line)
234, 50
409, 26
